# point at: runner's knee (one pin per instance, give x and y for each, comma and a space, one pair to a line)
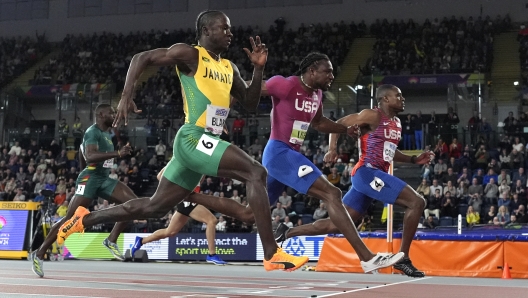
333, 194
172, 233
415, 202
248, 216
211, 222
257, 173
421, 202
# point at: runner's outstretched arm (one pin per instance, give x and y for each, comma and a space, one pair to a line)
367, 120
249, 96
325, 125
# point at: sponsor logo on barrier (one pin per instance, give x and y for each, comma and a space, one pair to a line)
13, 206
4, 238
13, 225
3, 222
156, 250
309, 246
295, 246
230, 247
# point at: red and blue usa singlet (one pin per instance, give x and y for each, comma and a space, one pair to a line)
370, 180
378, 147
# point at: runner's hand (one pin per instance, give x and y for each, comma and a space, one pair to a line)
425, 158
126, 105
125, 150
330, 156
259, 54
354, 131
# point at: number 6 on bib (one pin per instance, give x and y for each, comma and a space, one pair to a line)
207, 144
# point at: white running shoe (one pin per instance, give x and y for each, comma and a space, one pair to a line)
381, 260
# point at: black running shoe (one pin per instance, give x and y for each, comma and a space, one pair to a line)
280, 232
406, 266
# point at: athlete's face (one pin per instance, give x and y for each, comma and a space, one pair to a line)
219, 32
395, 99
322, 75
108, 116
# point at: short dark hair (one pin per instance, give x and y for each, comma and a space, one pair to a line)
101, 107
311, 59
205, 18
382, 90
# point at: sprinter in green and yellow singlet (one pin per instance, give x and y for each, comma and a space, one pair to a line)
207, 82
96, 158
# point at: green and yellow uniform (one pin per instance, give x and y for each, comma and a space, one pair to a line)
93, 182
197, 147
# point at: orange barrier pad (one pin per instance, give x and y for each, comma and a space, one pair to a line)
515, 254
441, 258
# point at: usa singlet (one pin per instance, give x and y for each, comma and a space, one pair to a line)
378, 147
293, 109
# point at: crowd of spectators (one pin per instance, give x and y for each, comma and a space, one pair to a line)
486, 184
523, 54
29, 167
438, 46
162, 92
402, 47
105, 57
95, 58
19, 53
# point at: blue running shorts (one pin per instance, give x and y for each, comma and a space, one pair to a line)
372, 184
287, 167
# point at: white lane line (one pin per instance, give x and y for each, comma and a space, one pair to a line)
375, 287
49, 295
175, 287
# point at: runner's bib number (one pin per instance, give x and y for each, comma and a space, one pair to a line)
109, 163
207, 144
215, 119
80, 189
299, 130
389, 150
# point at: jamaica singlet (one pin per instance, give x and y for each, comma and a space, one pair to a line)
206, 95
197, 148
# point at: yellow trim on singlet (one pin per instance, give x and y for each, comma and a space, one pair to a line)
211, 84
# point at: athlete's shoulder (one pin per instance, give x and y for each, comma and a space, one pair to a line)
92, 129
92, 134
279, 86
184, 47
277, 79
370, 113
